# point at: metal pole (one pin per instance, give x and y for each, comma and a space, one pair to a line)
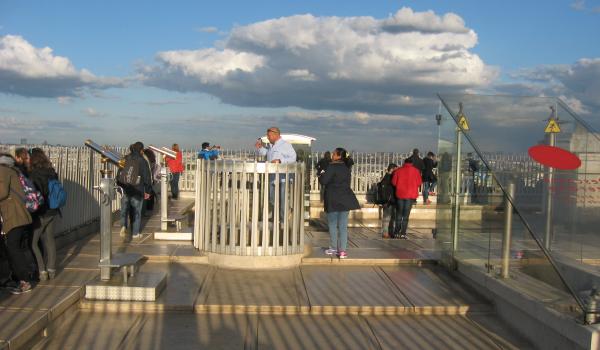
549, 204
457, 183
107, 196
163, 194
506, 238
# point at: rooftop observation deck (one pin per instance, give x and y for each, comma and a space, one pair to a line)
388, 294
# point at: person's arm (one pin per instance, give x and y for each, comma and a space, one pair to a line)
394, 178
327, 176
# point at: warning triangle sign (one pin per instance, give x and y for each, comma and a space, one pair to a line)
463, 123
552, 127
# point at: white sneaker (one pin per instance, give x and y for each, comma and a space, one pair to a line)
123, 232
331, 251
138, 236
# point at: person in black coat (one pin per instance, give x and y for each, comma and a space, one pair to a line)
416, 160
43, 219
429, 178
388, 219
339, 200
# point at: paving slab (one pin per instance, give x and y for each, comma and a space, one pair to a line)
42, 298
85, 262
89, 330
275, 291
314, 332
71, 278
430, 294
193, 331
18, 326
351, 289
429, 332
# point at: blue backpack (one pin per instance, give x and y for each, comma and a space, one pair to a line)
57, 197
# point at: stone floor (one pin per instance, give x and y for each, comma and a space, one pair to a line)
388, 294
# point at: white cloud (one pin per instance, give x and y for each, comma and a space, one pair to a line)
340, 63
93, 113
64, 100
30, 71
578, 84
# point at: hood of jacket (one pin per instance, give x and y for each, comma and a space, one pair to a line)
7, 161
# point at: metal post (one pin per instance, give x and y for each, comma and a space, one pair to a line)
506, 238
549, 204
106, 195
457, 183
164, 196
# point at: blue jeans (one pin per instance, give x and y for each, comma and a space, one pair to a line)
427, 186
175, 185
338, 223
133, 204
403, 207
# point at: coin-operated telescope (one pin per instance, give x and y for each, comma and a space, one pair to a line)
108, 190
163, 153
107, 155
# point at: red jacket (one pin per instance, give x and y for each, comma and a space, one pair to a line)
407, 180
176, 165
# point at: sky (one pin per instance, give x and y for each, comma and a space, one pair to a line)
361, 75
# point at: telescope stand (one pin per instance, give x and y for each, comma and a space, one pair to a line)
128, 286
164, 233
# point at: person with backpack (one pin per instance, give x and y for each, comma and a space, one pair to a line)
406, 180
321, 167
339, 200
134, 179
45, 179
429, 178
176, 168
15, 222
385, 197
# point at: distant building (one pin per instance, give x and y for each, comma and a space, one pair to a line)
23, 141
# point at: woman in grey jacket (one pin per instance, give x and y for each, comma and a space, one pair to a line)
339, 200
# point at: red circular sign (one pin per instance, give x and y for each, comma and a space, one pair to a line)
554, 157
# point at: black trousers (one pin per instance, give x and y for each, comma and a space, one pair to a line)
17, 243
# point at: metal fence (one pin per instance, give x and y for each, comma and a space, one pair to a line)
249, 208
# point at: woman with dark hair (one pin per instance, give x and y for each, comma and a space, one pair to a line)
15, 221
176, 168
339, 200
43, 219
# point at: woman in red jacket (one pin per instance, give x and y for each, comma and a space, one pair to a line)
176, 168
407, 180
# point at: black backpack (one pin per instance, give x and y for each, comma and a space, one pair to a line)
130, 174
384, 191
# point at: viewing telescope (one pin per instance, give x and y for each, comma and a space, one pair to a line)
164, 151
107, 154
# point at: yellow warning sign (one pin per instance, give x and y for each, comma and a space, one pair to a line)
463, 123
552, 127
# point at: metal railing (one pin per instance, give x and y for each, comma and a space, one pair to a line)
249, 208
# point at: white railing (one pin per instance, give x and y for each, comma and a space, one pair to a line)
249, 208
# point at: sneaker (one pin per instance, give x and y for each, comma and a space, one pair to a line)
403, 237
343, 255
43, 275
51, 274
330, 251
22, 287
138, 236
123, 232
